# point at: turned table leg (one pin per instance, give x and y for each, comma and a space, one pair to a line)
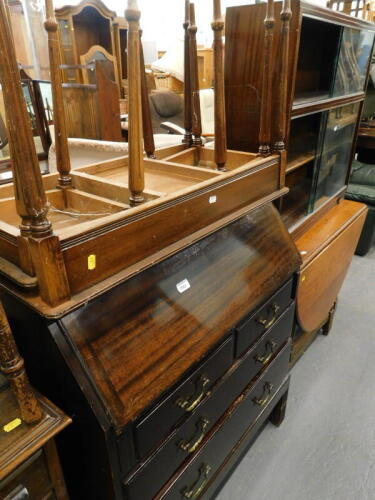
328, 325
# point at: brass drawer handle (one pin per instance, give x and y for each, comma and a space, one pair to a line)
268, 323
191, 402
199, 485
192, 445
266, 396
270, 350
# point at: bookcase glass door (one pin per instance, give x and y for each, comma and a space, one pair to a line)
331, 172
355, 51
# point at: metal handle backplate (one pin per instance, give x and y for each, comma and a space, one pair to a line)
266, 396
191, 402
267, 323
199, 485
270, 350
194, 442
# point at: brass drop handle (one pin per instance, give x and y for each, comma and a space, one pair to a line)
192, 444
199, 485
270, 349
268, 323
191, 402
266, 396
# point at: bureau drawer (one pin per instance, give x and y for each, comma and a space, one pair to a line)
199, 470
183, 400
264, 318
153, 473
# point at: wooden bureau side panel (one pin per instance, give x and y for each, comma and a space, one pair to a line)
141, 238
321, 280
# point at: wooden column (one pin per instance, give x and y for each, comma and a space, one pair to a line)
196, 109
61, 139
117, 44
136, 169
266, 102
187, 79
281, 106
148, 133
12, 365
220, 124
39, 249
31, 202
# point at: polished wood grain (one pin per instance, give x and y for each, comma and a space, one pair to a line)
281, 101
266, 99
194, 78
12, 365
136, 172
108, 107
187, 79
218, 46
26, 440
322, 277
137, 352
61, 137
148, 135
30, 198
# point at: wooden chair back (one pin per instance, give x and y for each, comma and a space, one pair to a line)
94, 54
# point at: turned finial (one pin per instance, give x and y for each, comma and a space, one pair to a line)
31, 202
266, 99
12, 365
220, 121
135, 141
281, 111
187, 79
61, 139
194, 78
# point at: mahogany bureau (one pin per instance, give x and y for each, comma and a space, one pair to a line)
170, 375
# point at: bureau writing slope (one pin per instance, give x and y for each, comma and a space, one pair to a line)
158, 311
323, 83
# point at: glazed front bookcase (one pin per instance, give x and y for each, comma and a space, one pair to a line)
172, 372
327, 73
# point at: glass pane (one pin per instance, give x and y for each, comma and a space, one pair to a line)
336, 152
356, 47
46, 92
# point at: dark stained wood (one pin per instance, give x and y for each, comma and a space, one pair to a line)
12, 365
266, 99
218, 46
148, 135
136, 170
281, 101
61, 137
307, 108
187, 79
134, 359
194, 79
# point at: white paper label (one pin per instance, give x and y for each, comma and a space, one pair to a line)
212, 199
183, 285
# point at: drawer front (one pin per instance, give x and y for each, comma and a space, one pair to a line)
151, 475
192, 479
183, 400
264, 318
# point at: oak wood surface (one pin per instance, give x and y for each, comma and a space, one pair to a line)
20, 444
161, 331
136, 172
322, 277
187, 79
12, 365
61, 137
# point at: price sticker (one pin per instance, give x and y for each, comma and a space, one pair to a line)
183, 285
91, 262
10, 426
